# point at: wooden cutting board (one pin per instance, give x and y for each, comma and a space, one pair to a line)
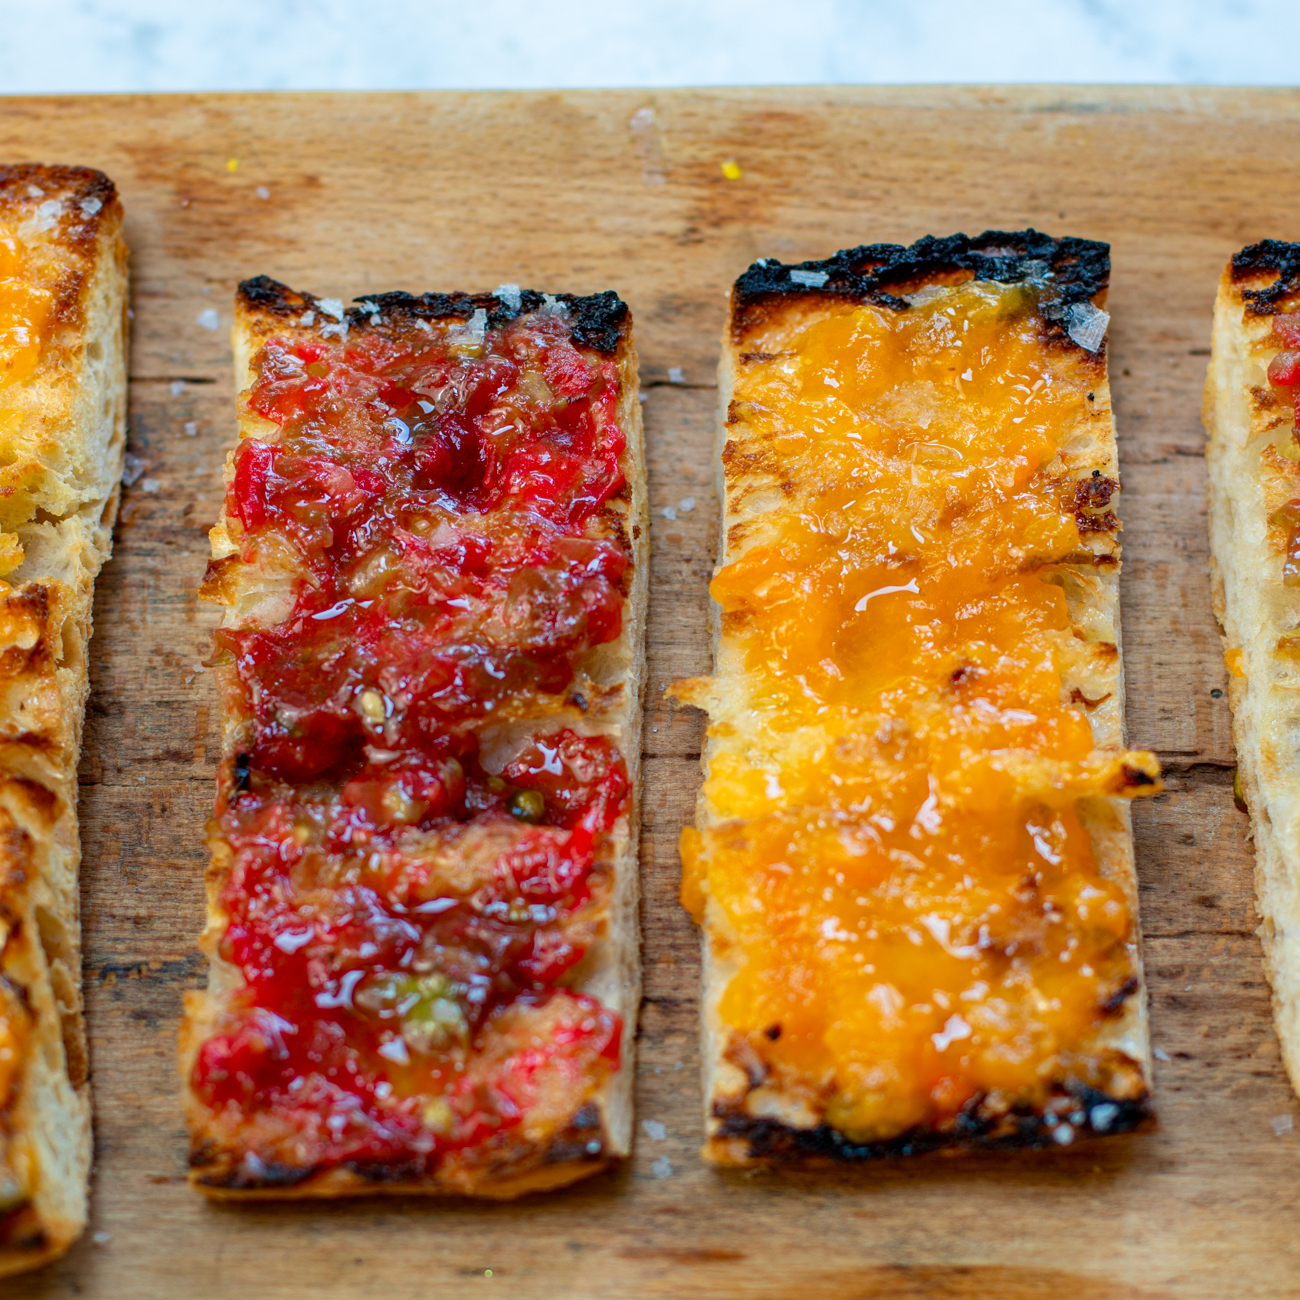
348, 194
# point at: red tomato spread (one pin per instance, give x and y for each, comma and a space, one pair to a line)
414, 850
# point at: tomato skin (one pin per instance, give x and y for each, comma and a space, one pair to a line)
405, 920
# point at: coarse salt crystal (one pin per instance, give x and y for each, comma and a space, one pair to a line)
90, 205
307, 318
1160, 1054
810, 279
151, 484
675, 375
478, 321
1102, 1116
340, 329
191, 428
374, 318
332, 307
209, 319
425, 326
1086, 325
662, 1168
654, 1130
132, 468
101, 1238
177, 387
763, 261
366, 305
35, 192
669, 513
262, 192
1282, 1124
686, 505
553, 305
509, 296
48, 214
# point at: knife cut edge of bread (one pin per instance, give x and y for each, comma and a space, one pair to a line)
611, 970
786, 1138
1243, 416
64, 466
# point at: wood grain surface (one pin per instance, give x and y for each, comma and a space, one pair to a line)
349, 194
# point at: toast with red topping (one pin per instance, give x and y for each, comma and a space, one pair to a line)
63, 286
912, 860
423, 894
1252, 396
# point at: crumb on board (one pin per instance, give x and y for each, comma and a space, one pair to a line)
731, 169
675, 375
654, 1130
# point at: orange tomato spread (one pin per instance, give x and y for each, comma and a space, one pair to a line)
904, 900
25, 308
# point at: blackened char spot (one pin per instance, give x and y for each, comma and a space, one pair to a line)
1076, 270
1268, 257
596, 321
242, 771
970, 1130
1121, 995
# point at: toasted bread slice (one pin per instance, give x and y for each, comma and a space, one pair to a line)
1254, 487
913, 814
63, 282
470, 767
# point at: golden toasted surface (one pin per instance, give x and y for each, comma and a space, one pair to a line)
916, 726
62, 430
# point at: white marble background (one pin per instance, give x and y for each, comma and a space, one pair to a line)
124, 45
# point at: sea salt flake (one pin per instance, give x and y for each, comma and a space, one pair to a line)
366, 305
209, 319
662, 1168
90, 205
1160, 1054
810, 279
340, 329
101, 1238
1102, 1116
669, 513
151, 484
654, 1130
132, 468
332, 307
48, 214
374, 318
177, 387
510, 296
1282, 1124
307, 318
1086, 325
686, 505
675, 375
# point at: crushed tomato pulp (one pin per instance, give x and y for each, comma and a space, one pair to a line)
894, 856
424, 552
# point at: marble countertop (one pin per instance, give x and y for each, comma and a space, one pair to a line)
141, 45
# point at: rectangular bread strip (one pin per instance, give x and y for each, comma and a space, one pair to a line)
63, 301
912, 858
1254, 497
423, 896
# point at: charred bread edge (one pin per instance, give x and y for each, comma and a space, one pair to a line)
1226, 388
51, 1110
601, 322
1080, 271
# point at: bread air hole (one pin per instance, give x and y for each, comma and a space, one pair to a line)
62, 957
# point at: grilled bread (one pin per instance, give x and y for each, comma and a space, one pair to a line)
1251, 395
912, 858
423, 897
63, 280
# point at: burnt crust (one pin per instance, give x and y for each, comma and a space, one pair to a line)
597, 321
1274, 257
1076, 270
1086, 1112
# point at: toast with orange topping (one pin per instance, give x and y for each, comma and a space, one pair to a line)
423, 896
912, 859
1251, 395
63, 280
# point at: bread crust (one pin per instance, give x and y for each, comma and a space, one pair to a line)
740, 1129
64, 430
605, 700
1250, 454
